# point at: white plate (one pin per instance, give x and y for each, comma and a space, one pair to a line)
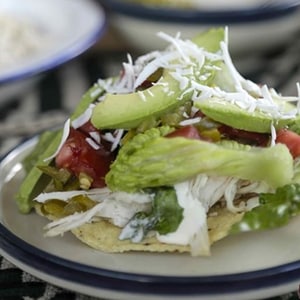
66, 28
251, 24
247, 266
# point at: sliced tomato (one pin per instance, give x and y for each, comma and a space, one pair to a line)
78, 156
245, 137
290, 139
189, 132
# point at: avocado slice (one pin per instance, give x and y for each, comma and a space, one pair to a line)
230, 114
36, 181
129, 110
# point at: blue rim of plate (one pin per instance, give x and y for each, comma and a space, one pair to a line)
195, 16
116, 281
74, 272
72, 52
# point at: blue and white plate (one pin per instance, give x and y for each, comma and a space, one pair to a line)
254, 25
59, 30
247, 266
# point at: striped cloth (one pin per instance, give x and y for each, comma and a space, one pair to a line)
55, 96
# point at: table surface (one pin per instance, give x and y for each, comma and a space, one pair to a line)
56, 95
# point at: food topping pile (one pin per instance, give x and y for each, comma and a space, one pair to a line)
175, 153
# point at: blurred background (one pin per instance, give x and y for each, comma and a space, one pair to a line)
51, 51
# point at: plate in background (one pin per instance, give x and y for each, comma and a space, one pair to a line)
254, 26
59, 30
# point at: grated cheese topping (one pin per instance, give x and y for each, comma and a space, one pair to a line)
117, 139
66, 132
95, 135
190, 121
83, 118
92, 143
67, 195
273, 135
186, 60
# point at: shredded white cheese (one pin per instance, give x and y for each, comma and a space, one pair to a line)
114, 138
67, 195
186, 62
92, 143
95, 135
190, 121
83, 118
273, 135
119, 133
66, 131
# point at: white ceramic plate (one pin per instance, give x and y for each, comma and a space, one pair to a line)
251, 23
66, 28
248, 266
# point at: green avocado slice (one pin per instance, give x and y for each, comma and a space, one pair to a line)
230, 114
129, 110
35, 181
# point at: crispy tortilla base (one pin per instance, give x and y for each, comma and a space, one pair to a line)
103, 235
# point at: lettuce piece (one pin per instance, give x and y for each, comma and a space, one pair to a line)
151, 160
165, 217
275, 210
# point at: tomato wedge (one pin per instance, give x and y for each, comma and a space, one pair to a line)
79, 157
245, 137
189, 132
290, 139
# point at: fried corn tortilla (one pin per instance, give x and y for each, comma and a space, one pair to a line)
104, 236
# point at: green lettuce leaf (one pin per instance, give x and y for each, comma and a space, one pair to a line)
152, 160
275, 210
